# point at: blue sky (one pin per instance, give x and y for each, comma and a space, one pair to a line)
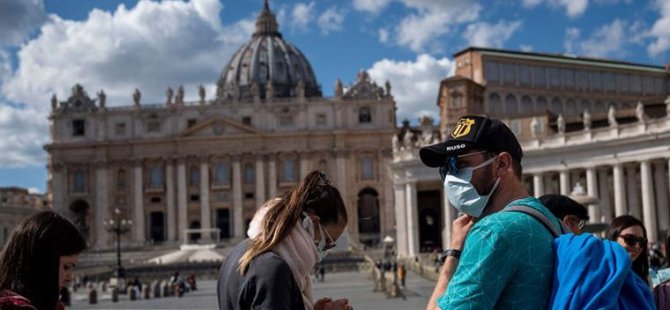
46, 46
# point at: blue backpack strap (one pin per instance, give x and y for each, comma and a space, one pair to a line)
538, 216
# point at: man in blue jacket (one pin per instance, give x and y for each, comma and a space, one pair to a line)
506, 260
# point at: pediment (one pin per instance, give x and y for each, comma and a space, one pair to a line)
218, 126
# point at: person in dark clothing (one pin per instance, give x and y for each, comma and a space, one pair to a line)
288, 236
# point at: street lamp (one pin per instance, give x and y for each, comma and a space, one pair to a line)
118, 225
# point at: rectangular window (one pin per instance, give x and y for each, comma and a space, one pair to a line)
121, 179
609, 81
636, 84
491, 71
79, 182
321, 120
288, 171
524, 75
367, 171
154, 126
554, 77
285, 120
509, 73
191, 122
364, 115
248, 195
195, 198
246, 120
249, 174
568, 77
194, 177
222, 175
539, 76
156, 177
596, 81
582, 78
78, 127
622, 82
120, 129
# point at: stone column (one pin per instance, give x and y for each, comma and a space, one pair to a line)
604, 197
661, 190
538, 186
564, 177
592, 190
171, 211
138, 206
633, 193
260, 181
619, 190
205, 211
272, 176
182, 206
412, 219
304, 166
648, 203
238, 211
101, 205
401, 219
341, 183
58, 186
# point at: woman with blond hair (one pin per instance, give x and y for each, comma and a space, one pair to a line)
287, 238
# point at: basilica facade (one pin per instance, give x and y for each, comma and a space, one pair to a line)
209, 164
598, 125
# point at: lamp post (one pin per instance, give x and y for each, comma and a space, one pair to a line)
118, 225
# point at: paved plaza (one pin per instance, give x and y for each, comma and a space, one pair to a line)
353, 285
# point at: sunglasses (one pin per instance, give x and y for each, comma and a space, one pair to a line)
631, 240
330, 243
452, 165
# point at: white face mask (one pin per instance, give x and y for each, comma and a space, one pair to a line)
463, 195
320, 246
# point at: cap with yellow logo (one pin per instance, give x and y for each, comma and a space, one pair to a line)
472, 132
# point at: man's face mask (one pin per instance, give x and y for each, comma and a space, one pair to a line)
460, 192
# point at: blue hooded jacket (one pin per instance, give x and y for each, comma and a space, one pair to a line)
596, 274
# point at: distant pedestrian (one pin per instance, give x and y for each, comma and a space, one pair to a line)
322, 273
38, 261
402, 273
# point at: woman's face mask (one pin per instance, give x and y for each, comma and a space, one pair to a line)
462, 194
324, 243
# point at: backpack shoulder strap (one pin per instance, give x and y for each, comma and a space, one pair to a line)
539, 216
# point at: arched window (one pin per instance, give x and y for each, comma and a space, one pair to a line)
288, 170
571, 107
584, 105
557, 106
367, 170
541, 104
364, 115
368, 216
526, 104
600, 107
194, 176
79, 182
156, 177
495, 106
511, 107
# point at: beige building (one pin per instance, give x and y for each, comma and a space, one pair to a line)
600, 123
15, 205
179, 165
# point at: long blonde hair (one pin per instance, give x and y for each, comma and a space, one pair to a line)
313, 195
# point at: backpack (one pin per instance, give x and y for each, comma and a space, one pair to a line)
590, 273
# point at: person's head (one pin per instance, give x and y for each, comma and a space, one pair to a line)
480, 157
630, 233
39, 258
313, 201
573, 214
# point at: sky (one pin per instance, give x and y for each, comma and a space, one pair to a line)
47, 46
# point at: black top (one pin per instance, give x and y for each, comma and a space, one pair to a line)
267, 284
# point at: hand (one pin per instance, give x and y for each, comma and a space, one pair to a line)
321, 303
459, 230
340, 304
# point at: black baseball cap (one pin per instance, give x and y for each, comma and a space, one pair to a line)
561, 205
472, 132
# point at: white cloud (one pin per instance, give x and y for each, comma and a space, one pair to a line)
383, 35
526, 47
331, 20
302, 14
24, 131
371, 6
432, 19
483, 34
415, 84
660, 31
607, 41
150, 46
573, 8
18, 18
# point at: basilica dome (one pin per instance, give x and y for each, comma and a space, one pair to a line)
267, 66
